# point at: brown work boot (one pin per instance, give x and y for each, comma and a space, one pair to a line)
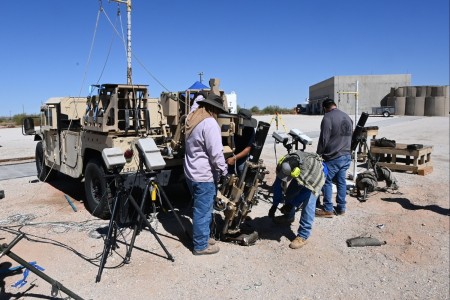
211, 241
297, 243
211, 249
320, 213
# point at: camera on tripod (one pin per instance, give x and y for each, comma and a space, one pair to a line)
125, 209
133, 185
150, 154
292, 139
114, 159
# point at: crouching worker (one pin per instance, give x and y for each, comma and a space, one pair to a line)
306, 174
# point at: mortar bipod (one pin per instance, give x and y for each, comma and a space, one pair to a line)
56, 286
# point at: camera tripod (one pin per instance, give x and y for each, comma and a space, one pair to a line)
276, 118
122, 196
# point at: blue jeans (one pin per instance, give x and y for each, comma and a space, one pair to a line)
296, 195
337, 169
203, 194
236, 167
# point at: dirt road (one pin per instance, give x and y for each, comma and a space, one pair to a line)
413, 264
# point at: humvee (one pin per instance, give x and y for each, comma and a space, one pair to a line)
74, 130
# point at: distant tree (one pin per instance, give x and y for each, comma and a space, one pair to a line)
268, 110
255, 109
16, 120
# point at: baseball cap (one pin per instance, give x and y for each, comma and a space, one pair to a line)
327, 102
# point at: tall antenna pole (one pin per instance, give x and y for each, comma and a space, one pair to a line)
129, 72
356, 93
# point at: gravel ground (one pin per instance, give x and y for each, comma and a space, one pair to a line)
414, 222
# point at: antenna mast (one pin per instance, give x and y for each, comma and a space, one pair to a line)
129, 72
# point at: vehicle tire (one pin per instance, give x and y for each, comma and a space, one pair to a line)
386, 114
44, 173
98, 193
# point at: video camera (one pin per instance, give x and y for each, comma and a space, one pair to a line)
292, 139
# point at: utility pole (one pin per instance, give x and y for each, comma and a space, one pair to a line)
201, 74
129, 71
356, 93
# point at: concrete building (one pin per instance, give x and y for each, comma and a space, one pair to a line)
373, 91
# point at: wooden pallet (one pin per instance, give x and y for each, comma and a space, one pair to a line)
402, 159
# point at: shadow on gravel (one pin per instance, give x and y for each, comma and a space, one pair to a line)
406, 204
268, 230
170, 223
72, 187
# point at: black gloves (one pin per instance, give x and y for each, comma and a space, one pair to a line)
272, 211
286, 209
222, 180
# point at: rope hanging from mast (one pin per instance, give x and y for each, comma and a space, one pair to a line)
121, 35
92, 47
118, 16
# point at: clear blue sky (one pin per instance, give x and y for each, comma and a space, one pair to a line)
268, 52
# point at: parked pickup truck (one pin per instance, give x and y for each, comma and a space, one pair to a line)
385, 111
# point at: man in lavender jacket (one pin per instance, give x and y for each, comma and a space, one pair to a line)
204, 166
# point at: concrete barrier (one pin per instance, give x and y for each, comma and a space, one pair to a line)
400, 92
437, 91
436, 106
400, 104
421, 91
415, 106
411, 91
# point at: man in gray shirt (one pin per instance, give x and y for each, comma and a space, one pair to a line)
334, 147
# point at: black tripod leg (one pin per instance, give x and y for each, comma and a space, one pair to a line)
137, 225
174, 212
144, 219
110, 239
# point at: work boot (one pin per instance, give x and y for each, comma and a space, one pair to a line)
272, 211
283, 220
297, 243
320, 213
211, 241
340, 212
211, 249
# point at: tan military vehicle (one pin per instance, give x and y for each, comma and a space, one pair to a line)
73, 132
